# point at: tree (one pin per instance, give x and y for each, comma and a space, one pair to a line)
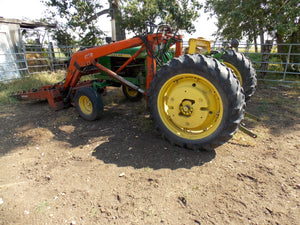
115, 14
71, 17
278, 18
238, 18
180, 14
77, 18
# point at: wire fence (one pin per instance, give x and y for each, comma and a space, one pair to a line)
270, 65
273, 62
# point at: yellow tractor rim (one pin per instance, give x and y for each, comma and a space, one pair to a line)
236, 72
190, 106
85, 105
131, 92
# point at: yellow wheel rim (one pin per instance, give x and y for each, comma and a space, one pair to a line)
85, 105
190, 106
131, 92
236, 72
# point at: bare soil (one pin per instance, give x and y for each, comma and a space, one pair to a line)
57, 168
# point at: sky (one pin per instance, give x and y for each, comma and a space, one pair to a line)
34, 10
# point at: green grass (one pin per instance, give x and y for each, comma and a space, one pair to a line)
27, 83
145, 124
42, 207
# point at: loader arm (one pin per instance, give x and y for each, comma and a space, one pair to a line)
87, 57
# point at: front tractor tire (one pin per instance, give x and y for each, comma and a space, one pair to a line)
196, 102
88, 103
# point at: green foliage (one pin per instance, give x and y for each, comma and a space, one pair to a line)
71, 17
237, 18
76, 27
179, 14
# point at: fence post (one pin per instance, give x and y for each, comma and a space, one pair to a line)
287, 62
23, 49
51, 56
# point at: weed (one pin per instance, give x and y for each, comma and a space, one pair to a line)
145, 124
93, 211
42, 207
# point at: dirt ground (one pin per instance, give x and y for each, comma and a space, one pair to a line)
57, 168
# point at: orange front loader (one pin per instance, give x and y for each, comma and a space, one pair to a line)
62, 94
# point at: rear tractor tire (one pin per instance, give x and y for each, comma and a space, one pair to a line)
243, 69
88, 103
196, 102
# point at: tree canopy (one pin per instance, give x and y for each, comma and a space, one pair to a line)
238, 18
72, 17
77, 19
179, 14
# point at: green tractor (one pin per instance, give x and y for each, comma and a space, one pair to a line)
136, 71
195, 101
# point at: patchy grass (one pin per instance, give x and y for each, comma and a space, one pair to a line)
27, 83
275, 100
145, 124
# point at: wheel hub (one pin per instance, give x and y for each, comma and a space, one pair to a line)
85, 105
186, 108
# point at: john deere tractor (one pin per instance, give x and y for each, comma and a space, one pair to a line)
195, 101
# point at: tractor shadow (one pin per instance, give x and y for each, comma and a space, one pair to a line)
149, 151
127, 138
124, 135
132, 141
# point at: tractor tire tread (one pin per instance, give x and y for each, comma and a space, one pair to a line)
244, 65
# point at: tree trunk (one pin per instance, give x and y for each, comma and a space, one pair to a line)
266, 50
255, 45
114, 5
281, 48
295, 58
262, 41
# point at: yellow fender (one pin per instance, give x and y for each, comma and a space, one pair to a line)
200, 42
